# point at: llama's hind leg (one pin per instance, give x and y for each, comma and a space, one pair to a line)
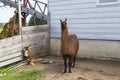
70, 64
65, 63
74, 62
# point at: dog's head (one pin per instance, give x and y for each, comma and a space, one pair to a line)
26, 47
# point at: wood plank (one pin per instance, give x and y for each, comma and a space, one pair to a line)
57, 0
90, 36
85, 11
91, 21
39, 49
87, 16
34, 34
10, 56
35, 39
10, 61
66, 2
10, 43
86, 26
92, 31
34, 28
12, 51
3, 41
35, 42
74, 16
37, 26
8, 49
73, 5
36, 31
100, 37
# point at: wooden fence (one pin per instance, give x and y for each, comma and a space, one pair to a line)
35, 37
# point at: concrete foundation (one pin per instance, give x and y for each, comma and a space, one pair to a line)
93, 49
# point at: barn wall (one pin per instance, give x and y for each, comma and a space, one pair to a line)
98, 27
37, 38
86, 19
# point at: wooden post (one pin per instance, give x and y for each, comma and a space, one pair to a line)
20, 23
25, 15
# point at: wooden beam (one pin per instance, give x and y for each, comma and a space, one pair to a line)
10, 61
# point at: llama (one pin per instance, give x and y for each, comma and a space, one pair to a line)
69, 46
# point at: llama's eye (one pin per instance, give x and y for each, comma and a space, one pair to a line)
64, 23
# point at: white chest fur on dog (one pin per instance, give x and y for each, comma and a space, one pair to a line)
26, 53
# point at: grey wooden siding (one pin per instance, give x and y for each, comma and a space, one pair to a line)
85, 19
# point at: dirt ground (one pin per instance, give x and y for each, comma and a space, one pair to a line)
85, 69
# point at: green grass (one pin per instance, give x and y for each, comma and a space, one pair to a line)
4, 68
33, 74
1, 27
1, 30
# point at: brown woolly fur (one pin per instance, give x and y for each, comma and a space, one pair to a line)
29, 55
69, 46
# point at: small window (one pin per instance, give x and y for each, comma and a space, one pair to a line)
107, 2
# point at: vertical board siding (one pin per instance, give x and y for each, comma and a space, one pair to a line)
85, 19
35, 37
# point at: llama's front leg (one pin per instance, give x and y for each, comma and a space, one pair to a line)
70, 64
65, 64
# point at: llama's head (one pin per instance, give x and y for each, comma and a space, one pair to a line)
63, 24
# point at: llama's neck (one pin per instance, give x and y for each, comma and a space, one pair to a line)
64, 36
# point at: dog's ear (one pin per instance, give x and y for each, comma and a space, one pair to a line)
30, 45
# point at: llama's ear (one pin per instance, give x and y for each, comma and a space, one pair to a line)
65, 19
60, 20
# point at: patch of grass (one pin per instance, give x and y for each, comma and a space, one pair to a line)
8, 66
1, 29
4, 69
25, 75
1, 25
34, 74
